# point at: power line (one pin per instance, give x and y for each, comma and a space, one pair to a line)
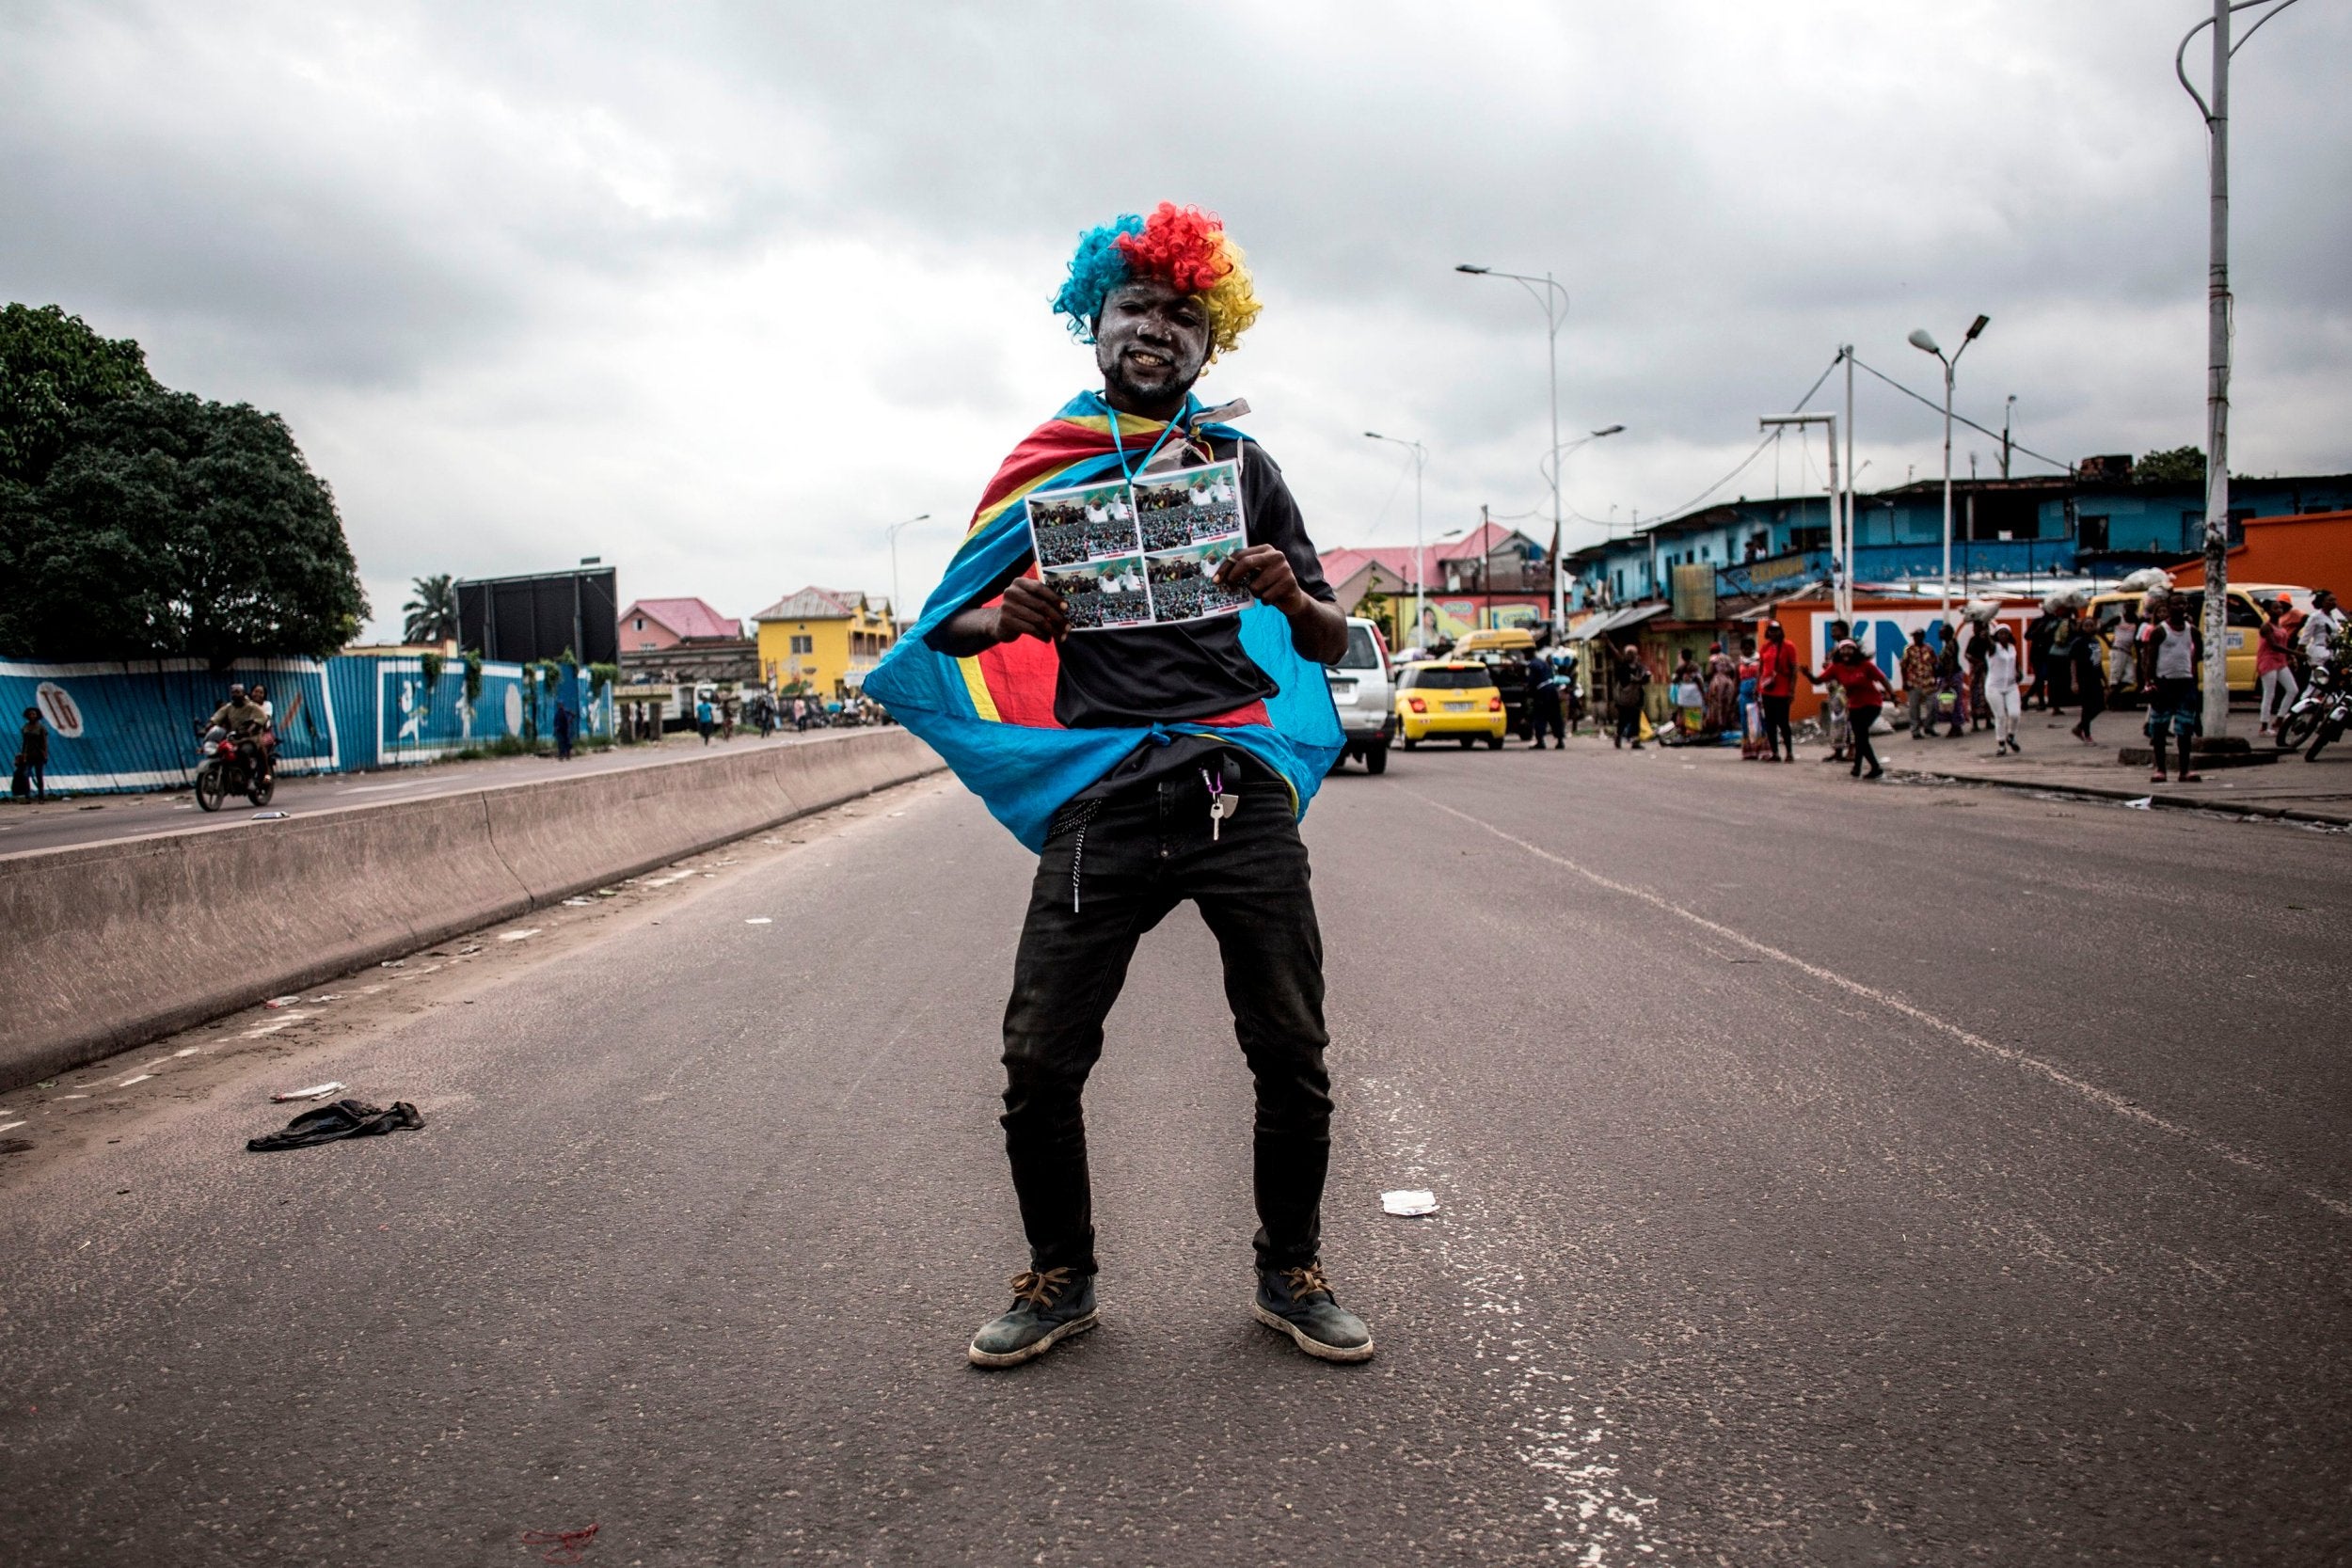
1962, 419
1676, 511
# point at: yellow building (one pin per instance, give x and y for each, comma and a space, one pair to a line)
824, 641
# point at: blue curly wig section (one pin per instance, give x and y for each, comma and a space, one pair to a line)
1099, 267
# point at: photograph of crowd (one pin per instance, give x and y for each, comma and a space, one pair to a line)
1190, 506
1184, 583
1095, 523
1092, 542
1103, 593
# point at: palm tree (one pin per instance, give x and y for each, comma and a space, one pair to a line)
433, 614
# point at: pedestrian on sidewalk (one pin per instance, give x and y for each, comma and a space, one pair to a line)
32, 758
1722, 691
565, 724
2274, 665
704, 720
2175, 652
1866, 693
2038, 635
1776, 688
1919, 683
1629, 682
2123, 654
1978, 652
2090, 682
1951, 681
2001, 691
1146, 767
1751, 711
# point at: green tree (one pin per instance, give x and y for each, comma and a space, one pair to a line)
432, 615
2181, 464
53, 371
169, 526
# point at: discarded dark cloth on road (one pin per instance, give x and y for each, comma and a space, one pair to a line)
344, 1118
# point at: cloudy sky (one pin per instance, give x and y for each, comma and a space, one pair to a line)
717, 292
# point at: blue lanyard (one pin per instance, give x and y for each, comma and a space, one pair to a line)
1120, 441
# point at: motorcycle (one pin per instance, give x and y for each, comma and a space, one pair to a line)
2331, 722
231, 767
2311, 709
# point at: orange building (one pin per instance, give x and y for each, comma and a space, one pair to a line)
2309, 550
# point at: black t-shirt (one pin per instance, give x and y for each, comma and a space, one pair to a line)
1189, 670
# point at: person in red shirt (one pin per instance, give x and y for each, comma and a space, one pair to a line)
1865, 689
1776, 667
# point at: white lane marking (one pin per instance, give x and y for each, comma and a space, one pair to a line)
2106, 1100
760, 920
10, 1127
187, 1050
517, 936
134, 1078
1572, 1445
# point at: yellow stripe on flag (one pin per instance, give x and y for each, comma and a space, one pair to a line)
976, 684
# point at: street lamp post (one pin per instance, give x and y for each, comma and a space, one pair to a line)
1555, 300
1926, 344
2215, 675
897, 610
1421, 566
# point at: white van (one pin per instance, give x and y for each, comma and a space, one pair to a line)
1365, 694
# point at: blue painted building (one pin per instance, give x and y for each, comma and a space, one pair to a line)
2051, 526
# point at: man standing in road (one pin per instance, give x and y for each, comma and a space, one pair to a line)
1544, 714
1148, 765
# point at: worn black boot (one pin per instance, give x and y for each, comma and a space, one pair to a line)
1298, 1302
1047, 1309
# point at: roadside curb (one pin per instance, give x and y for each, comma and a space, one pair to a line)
2103, 792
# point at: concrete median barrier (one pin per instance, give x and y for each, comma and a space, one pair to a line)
109, 946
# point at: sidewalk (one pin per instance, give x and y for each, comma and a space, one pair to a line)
2290, 788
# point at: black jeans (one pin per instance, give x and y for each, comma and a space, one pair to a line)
1777, 735
1105, 880
1861, 720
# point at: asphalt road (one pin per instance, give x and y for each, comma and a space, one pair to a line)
1829, 1175
95, 818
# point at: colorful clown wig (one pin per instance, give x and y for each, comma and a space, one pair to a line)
1182, 247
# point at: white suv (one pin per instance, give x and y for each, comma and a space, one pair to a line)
1365, 695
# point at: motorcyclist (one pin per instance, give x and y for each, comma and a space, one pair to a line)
267, 739
243, 720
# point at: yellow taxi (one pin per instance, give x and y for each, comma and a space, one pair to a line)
1449, 700
2243, 618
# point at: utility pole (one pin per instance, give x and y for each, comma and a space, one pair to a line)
1555, 300
1852, 472
2008, 410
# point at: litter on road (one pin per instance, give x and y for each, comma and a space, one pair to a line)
281, 1002
517, 936
562, 1546
316, 1091
344, 1118
1409, 1202
270, 815
2146, 802
577, 903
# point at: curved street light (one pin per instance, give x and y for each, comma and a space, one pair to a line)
1924, 342
1555, 300
895, 609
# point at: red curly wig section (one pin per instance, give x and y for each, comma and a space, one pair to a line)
1183, 247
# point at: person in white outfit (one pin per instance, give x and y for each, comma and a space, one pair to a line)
2323, 629
2000, 690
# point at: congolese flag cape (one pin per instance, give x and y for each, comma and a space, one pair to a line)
991, 716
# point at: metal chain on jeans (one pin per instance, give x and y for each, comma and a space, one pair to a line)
1078, 814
